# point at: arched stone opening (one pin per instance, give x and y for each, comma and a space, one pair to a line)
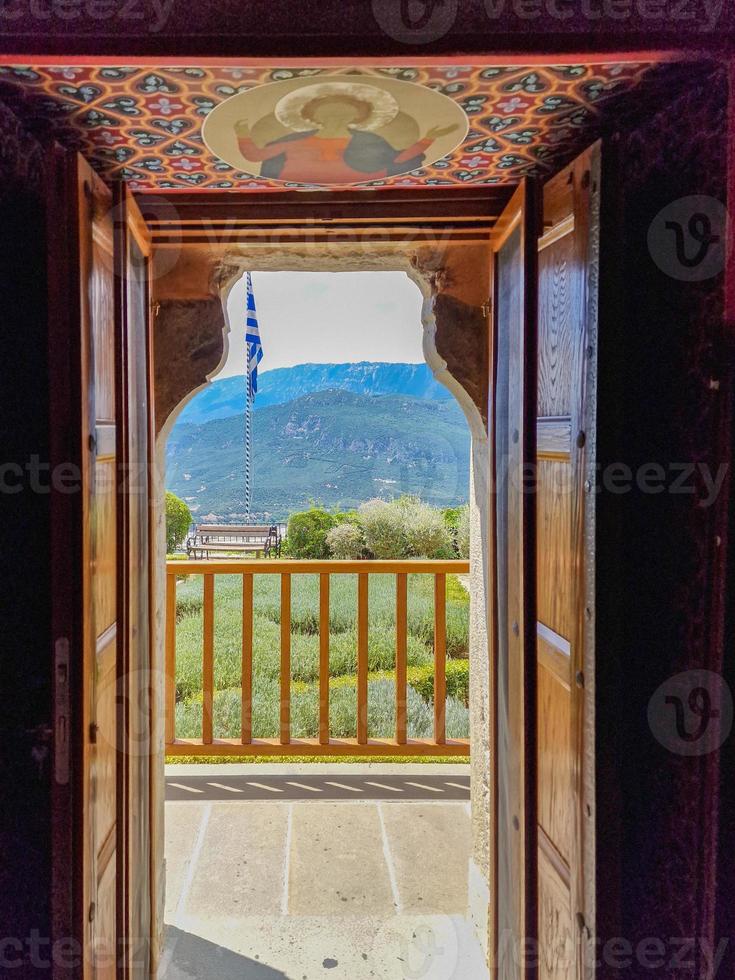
191, 346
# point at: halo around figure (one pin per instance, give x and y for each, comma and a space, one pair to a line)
377, 107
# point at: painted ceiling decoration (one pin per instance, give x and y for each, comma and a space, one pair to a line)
247, 128
340, 131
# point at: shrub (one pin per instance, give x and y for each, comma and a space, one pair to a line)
346, 541
346, 517
463, 532
178, 520
384, 526
421, 679
306, 536
427, 534
451, 517
405, 528
305, 712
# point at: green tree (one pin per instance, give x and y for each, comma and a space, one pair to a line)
306, 536
178, 520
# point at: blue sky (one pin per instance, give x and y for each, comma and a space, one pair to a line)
328, 317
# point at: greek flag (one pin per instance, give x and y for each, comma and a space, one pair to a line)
252, 340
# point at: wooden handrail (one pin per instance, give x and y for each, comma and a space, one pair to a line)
284, 744
304, 566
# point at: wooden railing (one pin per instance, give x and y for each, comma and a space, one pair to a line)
247, 745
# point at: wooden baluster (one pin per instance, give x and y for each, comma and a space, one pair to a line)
247, 659
324, 658
208, 661
362, 658
285, 658
170, 658
440, 659
401, 656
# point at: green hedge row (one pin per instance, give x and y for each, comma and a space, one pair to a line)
421, 680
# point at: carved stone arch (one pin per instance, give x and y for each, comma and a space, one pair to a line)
190, 349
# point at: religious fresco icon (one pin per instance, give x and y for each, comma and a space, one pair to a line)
349, 129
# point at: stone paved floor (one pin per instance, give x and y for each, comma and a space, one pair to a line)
299, 890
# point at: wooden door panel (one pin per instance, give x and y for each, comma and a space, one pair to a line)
103, 774
135, 907
554, 542
100, 581
105, 954
102, 313
563, 324
513, 246
556, 935
555, 814
103, 539
556, 330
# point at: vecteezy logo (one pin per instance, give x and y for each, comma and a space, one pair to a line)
425, 950
415, 21
691, 713
686, 239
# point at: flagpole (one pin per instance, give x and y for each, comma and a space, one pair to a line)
248, 436
253, 355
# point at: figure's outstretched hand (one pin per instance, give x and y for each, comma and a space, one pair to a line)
436, 131
242, 127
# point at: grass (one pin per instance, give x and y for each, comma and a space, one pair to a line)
305, 656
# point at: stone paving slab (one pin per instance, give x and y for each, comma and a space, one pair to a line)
338, 865
240, 870
182, 825
429, 846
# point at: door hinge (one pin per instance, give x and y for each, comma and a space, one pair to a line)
93, 729
155, 309
487, 308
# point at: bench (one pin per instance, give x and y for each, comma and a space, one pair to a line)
216, 539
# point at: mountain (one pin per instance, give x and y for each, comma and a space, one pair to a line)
335, 448
225, 398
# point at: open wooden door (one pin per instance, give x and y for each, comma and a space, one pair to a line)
544, 433
513, 414
99, 826
132, 255
114, 725
565, 427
